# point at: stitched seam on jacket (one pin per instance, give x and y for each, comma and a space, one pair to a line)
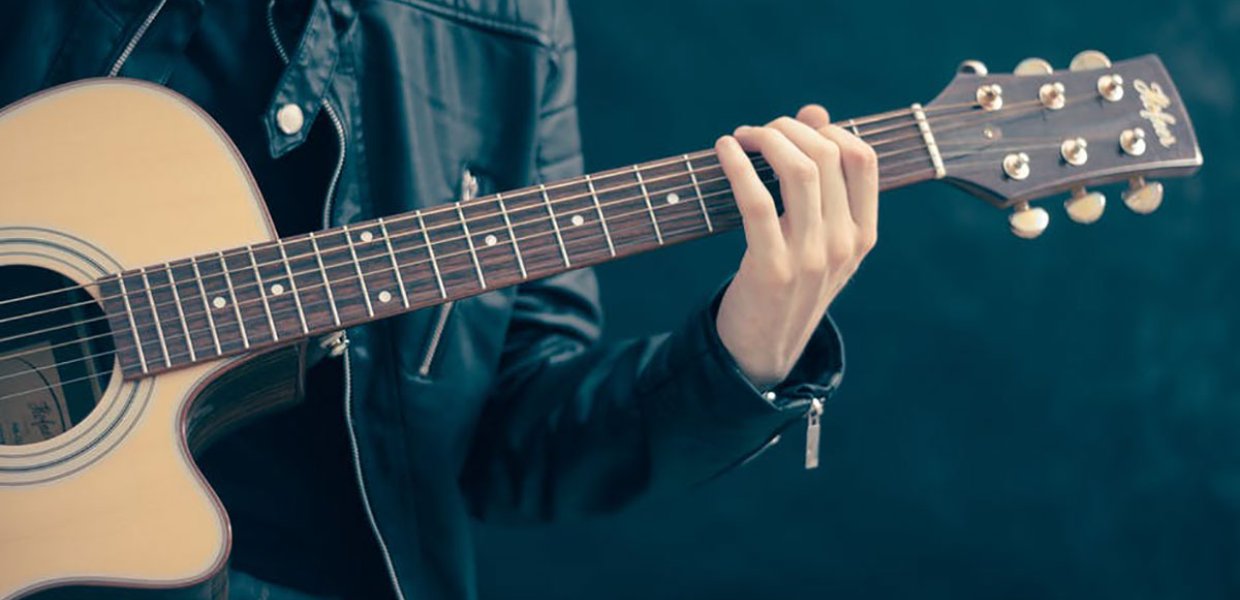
523, 30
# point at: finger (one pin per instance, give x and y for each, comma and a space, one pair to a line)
798, 178
860, 165
757, 207
826, 154
814, 115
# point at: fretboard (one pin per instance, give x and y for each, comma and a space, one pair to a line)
242, 299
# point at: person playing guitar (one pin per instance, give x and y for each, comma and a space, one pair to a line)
502, 406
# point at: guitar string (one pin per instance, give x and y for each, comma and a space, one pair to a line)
250, 269
382, 257
893, 115
344, 248
188, 340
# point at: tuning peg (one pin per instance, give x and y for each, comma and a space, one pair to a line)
1085, 207
1033, 66
1132, 141
1143, 198
972, 67
1089, 60
1028, 222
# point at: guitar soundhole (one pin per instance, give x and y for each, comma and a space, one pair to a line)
56, 354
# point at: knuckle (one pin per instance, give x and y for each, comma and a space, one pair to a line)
862, 156
803, 170
781, 273
814, 262
840, 251
826, 151
823, 152
784, 121
866, 240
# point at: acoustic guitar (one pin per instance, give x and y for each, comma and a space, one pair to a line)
147, 305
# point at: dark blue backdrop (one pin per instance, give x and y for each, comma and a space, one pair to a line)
1057, 418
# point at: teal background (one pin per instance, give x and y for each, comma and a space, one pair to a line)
1048, 419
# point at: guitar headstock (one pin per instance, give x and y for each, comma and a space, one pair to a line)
1016, 137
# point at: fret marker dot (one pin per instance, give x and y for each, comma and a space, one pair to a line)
673, 198
490, 239
366, 236
277, 289
219, 302
578, 219
385, 296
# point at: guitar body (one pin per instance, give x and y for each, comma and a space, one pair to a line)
96, 177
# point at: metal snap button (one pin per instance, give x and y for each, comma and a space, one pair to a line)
290, 118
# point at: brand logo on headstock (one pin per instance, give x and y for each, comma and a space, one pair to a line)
1154, 101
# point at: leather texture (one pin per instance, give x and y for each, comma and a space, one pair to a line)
523, 415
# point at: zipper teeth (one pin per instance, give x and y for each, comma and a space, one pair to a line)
436, 335
348, 374
137, 37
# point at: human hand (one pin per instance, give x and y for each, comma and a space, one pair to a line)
795, 264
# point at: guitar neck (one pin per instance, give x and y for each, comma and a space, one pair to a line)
243, 299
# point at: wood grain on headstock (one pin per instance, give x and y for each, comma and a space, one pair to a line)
974, 141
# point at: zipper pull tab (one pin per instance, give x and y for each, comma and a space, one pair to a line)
469, 186
813, 431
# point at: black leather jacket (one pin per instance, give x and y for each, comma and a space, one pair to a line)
504, 408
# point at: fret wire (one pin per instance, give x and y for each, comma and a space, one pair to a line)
710, 227
469, 240
721, 195
245, 338
262, 290
133, 324
159, 328
215, 337
176, 296
601, 219
512, 235
555, 224
879, 118
430, 249
400, 281
327, 284
292, 286
357, 266
650, 208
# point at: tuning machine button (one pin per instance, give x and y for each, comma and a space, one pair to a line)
973, 67
1016, 165
1132, 141
1073, 151
1089, 60
1141, 197
1028, 222
990, 96
1111, 87
1052, 95
1033, 66
1085, 207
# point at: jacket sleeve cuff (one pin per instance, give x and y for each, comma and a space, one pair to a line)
817, 374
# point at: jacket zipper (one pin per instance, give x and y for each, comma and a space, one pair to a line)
813, 433
468, 191
344, 337
137, 37
432, 346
